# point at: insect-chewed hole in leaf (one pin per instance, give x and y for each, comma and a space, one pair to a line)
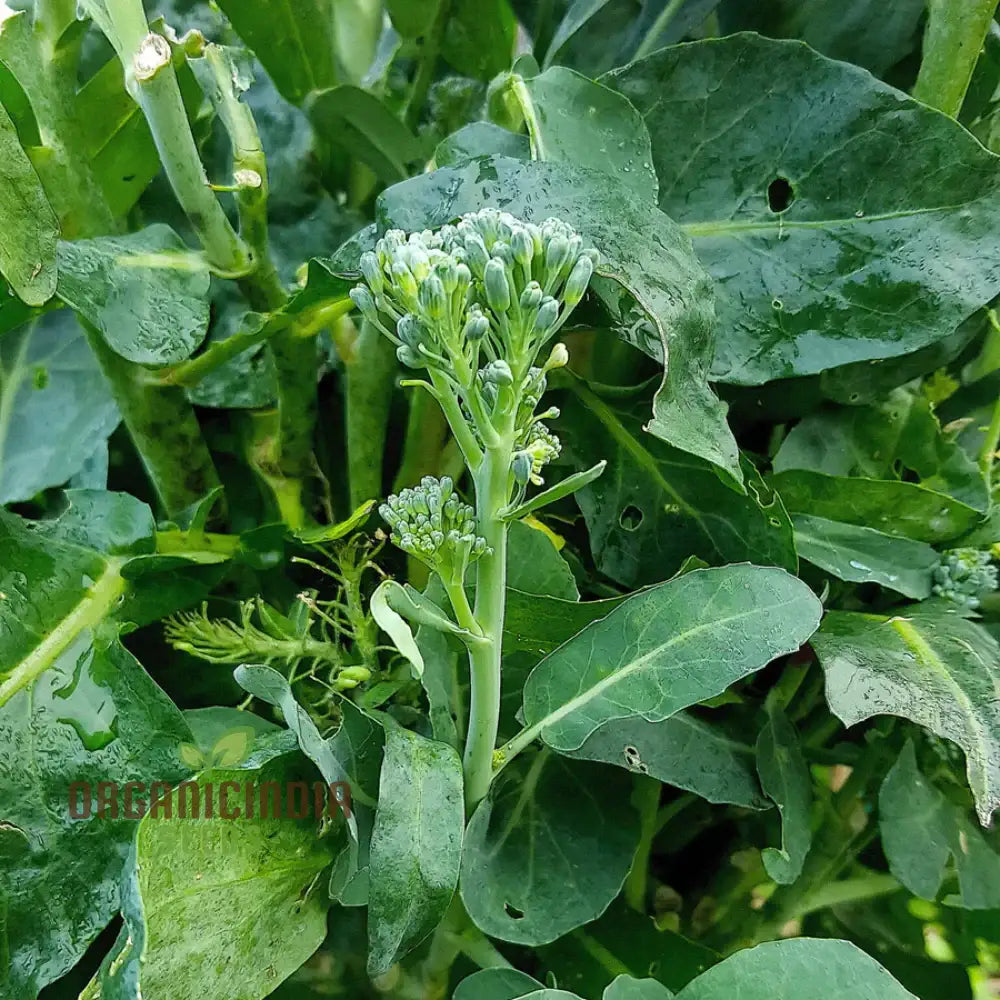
630, 518
513, 912
780, 194
634, 760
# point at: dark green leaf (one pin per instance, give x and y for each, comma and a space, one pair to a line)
643, 256
480, 139
537, 624
223, 908
797, 969
416, 846
883, 441
822, 258
624, 941
111, 523
921, 831
295, 41
863, 555
784, 776
584, 123
627, 988
351, 119
667, 648
496, 984
655, 506
55, 405
681, 751
547, 850
145, 292
534, 565
889, 506
938, 670
479, 37
75, 706
872, 34
28, 249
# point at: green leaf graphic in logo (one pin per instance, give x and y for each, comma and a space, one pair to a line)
229, 750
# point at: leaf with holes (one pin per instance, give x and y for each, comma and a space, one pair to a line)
821, 256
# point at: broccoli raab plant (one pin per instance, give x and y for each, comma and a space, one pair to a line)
499, 500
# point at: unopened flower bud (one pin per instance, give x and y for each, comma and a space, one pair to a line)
531, 297
403, 277
410, 331
476, 327
558, 357
433, 298
576, 283
409, 357
522, 468
523, 248
499, 373
557, 256
372, 272
495, 283
548, 313
362, 298
475, 253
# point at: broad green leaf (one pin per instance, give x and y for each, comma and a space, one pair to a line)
821, 256
667, 648
479, 37
885, 440
496, 984
115, 524
574, 120
785, 777
75, 706
655, 506
358, 744
548, 849
351, 119
866, 32
642, 252
889, 506
937, 670
295, 42
626, 942
797, 969
534, 565
921, 831
145, 292
480, 139
537, 624
225, 907
869, 381
863, 555
627, 988
55, 405
28, 249
681, 751
416, 846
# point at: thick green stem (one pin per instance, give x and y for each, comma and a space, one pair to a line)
956, 31
371, 374
492, 495
163, 427
150, 78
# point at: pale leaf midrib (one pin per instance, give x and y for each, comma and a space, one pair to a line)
89, 611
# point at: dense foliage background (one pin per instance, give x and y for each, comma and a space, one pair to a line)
762, 749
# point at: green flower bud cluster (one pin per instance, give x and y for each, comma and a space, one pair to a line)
431, 523
490, 282
540, 447
964, 575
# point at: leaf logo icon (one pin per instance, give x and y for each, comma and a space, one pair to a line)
229, 750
